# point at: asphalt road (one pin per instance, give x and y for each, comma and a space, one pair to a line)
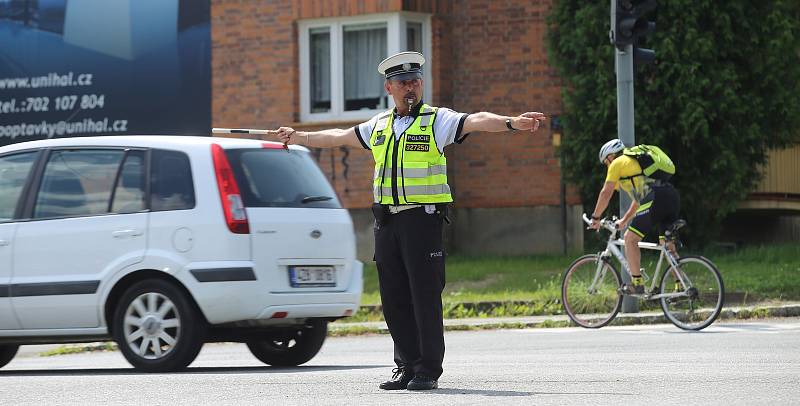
746, 363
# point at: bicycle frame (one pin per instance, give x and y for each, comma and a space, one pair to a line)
615, 247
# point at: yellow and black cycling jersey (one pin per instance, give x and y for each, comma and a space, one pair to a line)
626, 174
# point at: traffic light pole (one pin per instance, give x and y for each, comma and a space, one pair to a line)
623, 64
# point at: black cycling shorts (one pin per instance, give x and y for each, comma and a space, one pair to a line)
659, 208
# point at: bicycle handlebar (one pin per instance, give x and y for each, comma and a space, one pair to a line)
608, 224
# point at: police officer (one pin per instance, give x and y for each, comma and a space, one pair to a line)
410, 196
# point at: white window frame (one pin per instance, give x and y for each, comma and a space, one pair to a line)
396, 41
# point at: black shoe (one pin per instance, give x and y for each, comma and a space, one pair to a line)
400, 379
632, 289
423, 382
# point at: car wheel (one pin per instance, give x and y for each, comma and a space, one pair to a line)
157, 327
7, 353
290, 348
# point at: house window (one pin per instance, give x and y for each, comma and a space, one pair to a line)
319, 43
339, 80
414, 36
363, 89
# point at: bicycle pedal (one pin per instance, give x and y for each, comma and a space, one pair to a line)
630, 291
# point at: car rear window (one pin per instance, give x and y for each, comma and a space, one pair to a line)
275, 178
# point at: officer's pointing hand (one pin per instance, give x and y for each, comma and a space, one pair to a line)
285, 134
529, 121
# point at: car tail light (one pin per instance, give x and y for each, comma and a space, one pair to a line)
273, 145
232, 204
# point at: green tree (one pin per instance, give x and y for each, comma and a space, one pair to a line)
725, 89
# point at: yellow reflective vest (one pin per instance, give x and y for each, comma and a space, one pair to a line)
408, 170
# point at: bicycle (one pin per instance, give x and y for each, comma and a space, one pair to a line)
690, 290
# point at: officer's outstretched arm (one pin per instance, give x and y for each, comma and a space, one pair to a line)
490, 122
319, 139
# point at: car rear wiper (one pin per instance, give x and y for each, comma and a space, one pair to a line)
309, 199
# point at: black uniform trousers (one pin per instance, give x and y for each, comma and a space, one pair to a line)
410, 259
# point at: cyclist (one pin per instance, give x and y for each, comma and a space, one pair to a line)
654, 201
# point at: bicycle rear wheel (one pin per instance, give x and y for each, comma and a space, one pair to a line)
591, 299
704, 293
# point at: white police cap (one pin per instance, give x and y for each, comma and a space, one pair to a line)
402, 66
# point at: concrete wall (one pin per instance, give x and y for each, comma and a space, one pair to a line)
760, 226
515, 231
501, 231
365, 238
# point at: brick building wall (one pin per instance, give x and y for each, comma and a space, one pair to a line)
487, 55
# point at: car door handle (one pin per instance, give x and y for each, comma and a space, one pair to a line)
3, 243
126, 233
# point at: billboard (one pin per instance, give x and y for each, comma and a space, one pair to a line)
104, 67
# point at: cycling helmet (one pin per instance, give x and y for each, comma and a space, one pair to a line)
611, 147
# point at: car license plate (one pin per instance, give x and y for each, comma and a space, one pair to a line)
312, 276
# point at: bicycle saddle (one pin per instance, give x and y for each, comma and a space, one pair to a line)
676, 225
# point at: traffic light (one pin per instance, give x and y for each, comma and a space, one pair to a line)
631, 23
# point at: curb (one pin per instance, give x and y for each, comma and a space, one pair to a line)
731, 313
488, 306
339, 329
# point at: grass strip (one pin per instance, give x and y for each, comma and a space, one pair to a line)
80, 348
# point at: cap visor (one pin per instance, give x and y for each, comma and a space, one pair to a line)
406, 76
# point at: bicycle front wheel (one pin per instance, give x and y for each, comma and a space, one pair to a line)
695, 299
590, 291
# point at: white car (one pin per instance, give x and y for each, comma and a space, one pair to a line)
163, 243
